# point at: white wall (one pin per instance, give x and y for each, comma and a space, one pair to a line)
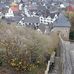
45, 20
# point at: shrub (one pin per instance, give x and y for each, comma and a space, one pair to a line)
25, 48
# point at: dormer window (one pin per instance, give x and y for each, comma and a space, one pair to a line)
22, 18
41, 21
29, 23
37, 23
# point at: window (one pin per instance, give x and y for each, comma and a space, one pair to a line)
71, 35
29, 23
41, 21
37, 23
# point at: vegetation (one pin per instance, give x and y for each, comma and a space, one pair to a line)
71, 18
71, 36
25, 49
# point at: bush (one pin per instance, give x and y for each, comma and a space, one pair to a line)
25, 48
71, 36
71, 18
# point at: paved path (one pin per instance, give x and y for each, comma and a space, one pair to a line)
56, 68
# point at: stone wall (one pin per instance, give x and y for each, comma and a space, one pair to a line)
66, 67
64, 31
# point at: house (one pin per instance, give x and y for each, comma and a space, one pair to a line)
6, 1
62, 26
20, 6
48, 20
25, 2
26, 11
3, 7
9, 14
17, 1
70, 8
1, 15
45, 20
14, 7
32, 6
62, 6
41, 10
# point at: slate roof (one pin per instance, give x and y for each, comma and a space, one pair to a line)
31, 20
53, 9
41, 8
52, 15
14, 19
33, 7
2, 5
62, 21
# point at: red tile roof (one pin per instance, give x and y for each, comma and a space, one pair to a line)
15, 9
